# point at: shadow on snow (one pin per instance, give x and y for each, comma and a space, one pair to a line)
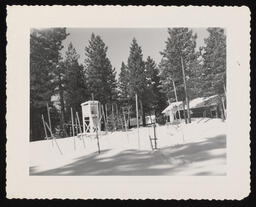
137, 162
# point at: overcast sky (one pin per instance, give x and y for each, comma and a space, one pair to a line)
118, 40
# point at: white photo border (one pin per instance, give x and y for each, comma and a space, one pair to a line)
236, 185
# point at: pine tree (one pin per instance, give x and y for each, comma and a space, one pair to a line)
196, 81
45, 46
137, 76
123, 82
179, 53
214, 62
214, 67
76, 90
99, 72
155, 98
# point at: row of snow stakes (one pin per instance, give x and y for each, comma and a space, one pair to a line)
50, 130
77, 125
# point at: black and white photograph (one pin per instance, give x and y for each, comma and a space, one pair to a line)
128, 102
148, 101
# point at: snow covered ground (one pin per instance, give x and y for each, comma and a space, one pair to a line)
198, 148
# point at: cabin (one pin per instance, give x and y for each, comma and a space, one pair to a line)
210, 107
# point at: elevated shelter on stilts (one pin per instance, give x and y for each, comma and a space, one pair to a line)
91, 116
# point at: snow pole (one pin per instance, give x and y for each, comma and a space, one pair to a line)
72, 123
53, 138
79, 125
46, 136
137, 117
76, 127
97, 137
178, 109
106, 108
80, 128
125, 125
104, 117
176, 97
154, 126
49, 118
113, 118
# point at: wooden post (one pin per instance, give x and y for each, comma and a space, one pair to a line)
142, 115
79, 124
116, 110
185, 89
92, 97
72, 123
154, 125
76, 127
53, 138
80, 128
49, 118
46, 136
176, 99
184, 112
137, 117
97, 137
104, 118
113, 118
125, 124
106, 108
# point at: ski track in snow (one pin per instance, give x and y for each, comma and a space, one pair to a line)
198, 148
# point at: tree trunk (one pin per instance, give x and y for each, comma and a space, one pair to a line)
142, 113
62, 110
185, 89
184, 112
188, 110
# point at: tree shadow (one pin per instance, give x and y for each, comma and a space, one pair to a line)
165, 161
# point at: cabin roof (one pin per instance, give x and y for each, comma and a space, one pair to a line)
195, 103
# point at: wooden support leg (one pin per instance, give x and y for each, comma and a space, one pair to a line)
73, 133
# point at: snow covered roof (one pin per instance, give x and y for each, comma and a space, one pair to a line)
89, 102
172, 107
203, 101
195, 103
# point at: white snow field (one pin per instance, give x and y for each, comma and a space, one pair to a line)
203, 152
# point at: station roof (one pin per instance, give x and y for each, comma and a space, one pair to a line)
89, 102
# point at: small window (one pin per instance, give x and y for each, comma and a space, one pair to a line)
94, 109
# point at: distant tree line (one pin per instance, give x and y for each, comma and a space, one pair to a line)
73, 83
